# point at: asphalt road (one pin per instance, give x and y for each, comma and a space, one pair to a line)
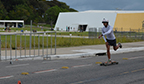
81, 71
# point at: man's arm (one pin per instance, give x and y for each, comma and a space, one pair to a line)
109, 31
102, 36
104, 39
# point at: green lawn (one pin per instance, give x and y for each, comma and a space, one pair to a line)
61, 41
73, 33
28, 28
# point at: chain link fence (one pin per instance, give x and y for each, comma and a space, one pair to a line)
93, 33
119, 32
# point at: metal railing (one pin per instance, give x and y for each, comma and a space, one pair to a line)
27, 45
92, 33
119, 32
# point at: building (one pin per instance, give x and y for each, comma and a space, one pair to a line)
11, 23
75, 21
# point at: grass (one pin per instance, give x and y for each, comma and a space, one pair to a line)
47, 25
77, 33
24, 42
73, 33
69, 42
98, 33
28, 28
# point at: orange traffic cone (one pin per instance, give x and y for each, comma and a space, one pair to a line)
19, 82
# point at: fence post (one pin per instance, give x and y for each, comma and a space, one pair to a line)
130, 33
0, 48
55, 43
43, 45
20, 44
30, 39
16, 46
6, 47
10, 47
96, 33
135, 35
47, 45
121, 31
143, 33
34, 44
25, 45
51, 43
30, 44
38, 45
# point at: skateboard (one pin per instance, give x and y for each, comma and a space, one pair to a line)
108, 64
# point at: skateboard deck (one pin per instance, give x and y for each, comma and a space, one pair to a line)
108, 64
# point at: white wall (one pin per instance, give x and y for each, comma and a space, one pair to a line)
11, 21
93, 19
2, 25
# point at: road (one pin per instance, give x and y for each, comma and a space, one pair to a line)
80, 71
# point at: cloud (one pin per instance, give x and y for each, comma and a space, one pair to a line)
82, 5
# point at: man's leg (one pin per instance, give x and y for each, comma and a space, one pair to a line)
108, 50
115, 47
118, 46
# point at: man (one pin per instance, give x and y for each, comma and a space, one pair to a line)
107, 31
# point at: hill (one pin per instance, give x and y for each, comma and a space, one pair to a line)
36, 10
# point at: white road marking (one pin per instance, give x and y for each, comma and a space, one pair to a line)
49, 62
77, 66
44, 71
5, 77
19, 65
136, 57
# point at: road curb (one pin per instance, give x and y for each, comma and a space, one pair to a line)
83, 55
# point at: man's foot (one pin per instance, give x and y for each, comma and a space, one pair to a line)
120, 45
108, 62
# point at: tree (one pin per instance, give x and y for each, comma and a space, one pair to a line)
3, 12
20, 13
52, 14
33, 10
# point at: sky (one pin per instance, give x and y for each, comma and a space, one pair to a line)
84, 5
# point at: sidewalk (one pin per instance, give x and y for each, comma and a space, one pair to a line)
82, 51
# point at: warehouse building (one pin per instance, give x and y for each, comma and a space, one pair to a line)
75, 21
11, 23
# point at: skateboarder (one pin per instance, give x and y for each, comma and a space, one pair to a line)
107, 31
